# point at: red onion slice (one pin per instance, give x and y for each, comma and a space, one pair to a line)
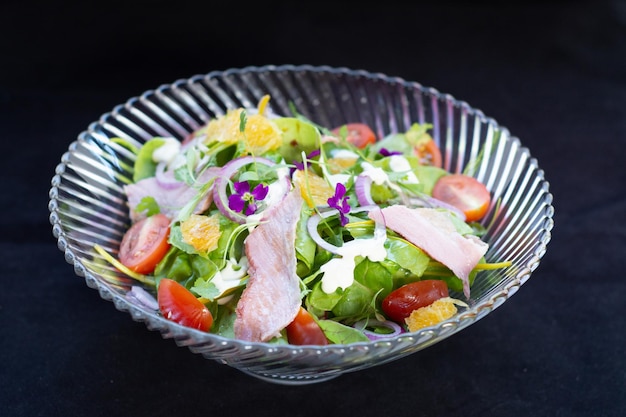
363, 189
165, 178
312, 225
142, 298
315, 220
371, 335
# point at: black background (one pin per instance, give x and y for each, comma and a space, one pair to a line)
553, 72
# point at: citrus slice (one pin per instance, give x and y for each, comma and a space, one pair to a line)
201, 232
259, 133
225, 128
339, 164
314, 189
438, 311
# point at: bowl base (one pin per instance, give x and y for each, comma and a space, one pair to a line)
290, 381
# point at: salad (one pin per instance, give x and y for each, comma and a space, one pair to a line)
274, 229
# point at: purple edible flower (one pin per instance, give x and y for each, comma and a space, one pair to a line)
339, 201
244, 201
386, 152
300, 165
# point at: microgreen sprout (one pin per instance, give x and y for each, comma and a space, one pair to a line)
300, 165
243, 119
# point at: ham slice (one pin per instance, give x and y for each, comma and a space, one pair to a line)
271, 298
432, 231
170, 200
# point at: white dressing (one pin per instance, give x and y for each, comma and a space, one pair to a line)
399, 163
378, 175
166, 152
230, 276
339, 272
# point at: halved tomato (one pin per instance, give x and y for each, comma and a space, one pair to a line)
429, 153
465, 193
179, 305
358, 134
304, 330
145, 244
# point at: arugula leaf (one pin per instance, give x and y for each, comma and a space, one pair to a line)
225, 315
406, 255
148, 205
375, 277
183, 174
322, 301
340, 333
355, 301
175, 265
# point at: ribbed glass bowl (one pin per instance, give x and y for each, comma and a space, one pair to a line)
87, 204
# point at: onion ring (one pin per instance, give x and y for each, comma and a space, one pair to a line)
363, 324
315, 220
142, 298
363, 189
166, 178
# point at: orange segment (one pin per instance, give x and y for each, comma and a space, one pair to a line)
340, 164
314, 189
225, 128
201, 232
438, 311
260, 134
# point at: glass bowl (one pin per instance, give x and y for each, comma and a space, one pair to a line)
87, 204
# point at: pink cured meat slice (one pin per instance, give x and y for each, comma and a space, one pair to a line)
170, 200
271, 298
432, 231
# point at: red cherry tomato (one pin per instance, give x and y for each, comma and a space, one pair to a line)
399, 304
429, 153
358, 134
179, 305
145, 244
304, 330
465, 193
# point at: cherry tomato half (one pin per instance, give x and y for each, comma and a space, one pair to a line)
145, 244
429, 153
304, 330
465, 193
179, 305
358, 134
399, 304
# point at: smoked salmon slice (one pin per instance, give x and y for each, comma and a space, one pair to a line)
432, 231
272, 298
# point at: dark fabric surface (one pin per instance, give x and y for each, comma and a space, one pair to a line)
554, 73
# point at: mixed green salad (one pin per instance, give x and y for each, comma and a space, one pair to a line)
274, 229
